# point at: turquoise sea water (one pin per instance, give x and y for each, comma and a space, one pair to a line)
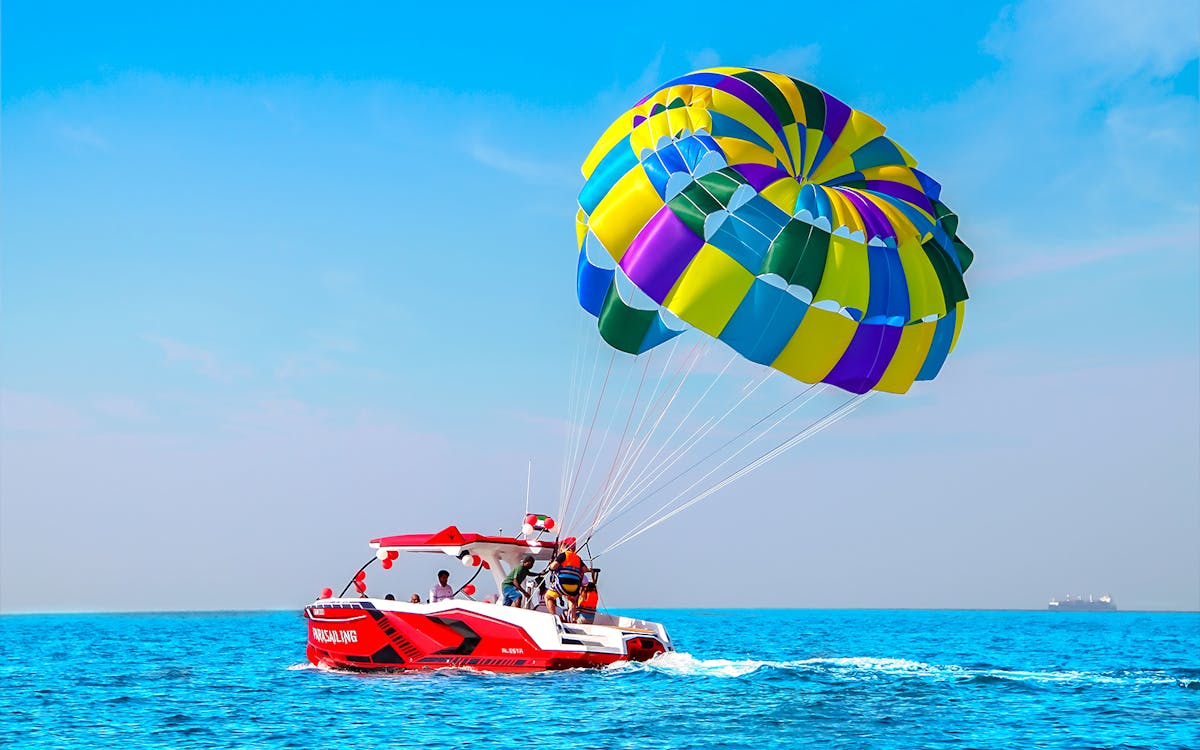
741, 679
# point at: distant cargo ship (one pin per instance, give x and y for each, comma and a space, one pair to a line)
1079, 604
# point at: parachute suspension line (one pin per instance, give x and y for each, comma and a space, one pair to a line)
630, 454
573, 397
658, 402
648, 468
657, 396
569, 432
695, 439
583, 452
804, 397
583, 398
634, 454
573, 513
666, 402
827, 421
668, 508
598, 498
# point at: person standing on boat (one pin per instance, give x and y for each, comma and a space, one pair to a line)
512, 588
541, 605
442, 590
566, 578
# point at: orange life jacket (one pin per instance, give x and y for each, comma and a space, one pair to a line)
570, 570
588, 601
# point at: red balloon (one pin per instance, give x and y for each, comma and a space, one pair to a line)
393, 554
326, 593
531, 519
549, 524
486, 566
469, 589
387, 564
360, 587
476, 560
361, 576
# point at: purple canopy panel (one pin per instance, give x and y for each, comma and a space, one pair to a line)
659, 253
837, 114
751, 96
760, 175
865, 360
901, 191
874, 219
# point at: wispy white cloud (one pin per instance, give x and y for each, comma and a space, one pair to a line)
201, 361
1108, 42
33, 414
705, 58
620, 96
122, 408
1074, 150
524, 167
798, 62
305, 365
1061, 257
339, 280
334, 343
83, 135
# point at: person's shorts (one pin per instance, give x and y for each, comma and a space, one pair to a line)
585, 619
512, 595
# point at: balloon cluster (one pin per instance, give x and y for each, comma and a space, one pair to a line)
385, 557
535, 522
473, 561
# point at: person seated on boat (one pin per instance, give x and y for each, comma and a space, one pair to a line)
566, 578
443, 589
513, 589
390, 597
414, 599
589, 599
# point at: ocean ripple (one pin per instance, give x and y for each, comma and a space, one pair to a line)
762, 679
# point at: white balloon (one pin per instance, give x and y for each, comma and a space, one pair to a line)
527, 529
381, 554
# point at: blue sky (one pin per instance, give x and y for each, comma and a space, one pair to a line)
280, 279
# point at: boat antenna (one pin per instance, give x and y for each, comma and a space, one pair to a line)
528, 480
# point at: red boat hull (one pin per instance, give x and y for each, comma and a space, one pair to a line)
358, 635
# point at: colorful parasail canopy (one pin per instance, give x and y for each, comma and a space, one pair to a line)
770, 215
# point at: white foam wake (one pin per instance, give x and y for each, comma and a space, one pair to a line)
868, 668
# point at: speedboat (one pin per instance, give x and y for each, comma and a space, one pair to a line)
364, 633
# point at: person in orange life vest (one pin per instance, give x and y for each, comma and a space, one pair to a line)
585, 612
566, 578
